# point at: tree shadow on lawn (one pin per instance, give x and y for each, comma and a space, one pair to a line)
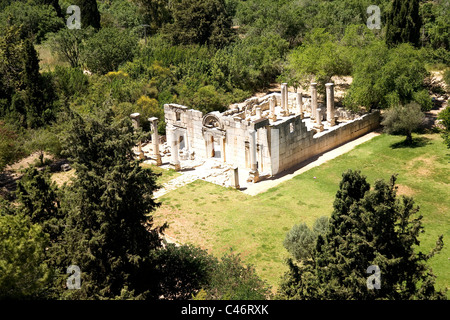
417, 142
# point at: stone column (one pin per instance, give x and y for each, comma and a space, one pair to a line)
330, 104
286, 99
283, 97
235, 177
135, 122
313, 88
222, 149
319, 125
258, 113
272, 103
155, 139
299, 104
254, 175
174, 160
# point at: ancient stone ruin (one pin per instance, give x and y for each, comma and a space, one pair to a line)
262, 136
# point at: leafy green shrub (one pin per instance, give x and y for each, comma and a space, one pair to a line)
423, 99
107, 49
36, 20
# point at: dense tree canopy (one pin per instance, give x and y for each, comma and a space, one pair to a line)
75, 88
368, 227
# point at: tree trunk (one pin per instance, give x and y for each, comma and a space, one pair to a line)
408, 138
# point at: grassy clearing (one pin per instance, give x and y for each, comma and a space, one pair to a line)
218, 219
166, 175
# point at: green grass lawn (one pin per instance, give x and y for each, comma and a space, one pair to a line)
217, 218
166, 175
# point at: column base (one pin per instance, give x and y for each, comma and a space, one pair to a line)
175, 166
319, 128
253, 176
158, 160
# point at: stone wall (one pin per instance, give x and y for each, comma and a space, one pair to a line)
295, 147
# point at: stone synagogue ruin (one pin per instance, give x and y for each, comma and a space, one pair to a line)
261, 137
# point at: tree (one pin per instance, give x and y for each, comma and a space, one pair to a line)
9, 150
106, 50
23, 272
384, 77
367, 228
199, 22
183, 270
108, 231
403, 23
34, 98
300, 240
403, 120
317, 60
444, 117
155, 13
231, 280
90, 16
36, 20
38, 199
67, 43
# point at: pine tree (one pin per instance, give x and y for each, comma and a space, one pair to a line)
367, 228
403, 23
109, 232
38, 199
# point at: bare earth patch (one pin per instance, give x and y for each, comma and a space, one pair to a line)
422, 166
403, 190
63, 177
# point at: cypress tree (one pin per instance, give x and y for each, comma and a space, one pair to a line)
403, 23
90, 16
34, 97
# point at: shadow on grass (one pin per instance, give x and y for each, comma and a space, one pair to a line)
417, 142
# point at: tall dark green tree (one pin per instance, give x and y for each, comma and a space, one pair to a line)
367, 228
200, 22
90, 16
34, 97
109, 233
403, 23
38, 199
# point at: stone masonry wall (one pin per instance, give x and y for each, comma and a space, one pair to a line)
296, 147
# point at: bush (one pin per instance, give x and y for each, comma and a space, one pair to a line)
385, 77
36, 20
300, 240
231, 280
447, 79
423, 99
106, 50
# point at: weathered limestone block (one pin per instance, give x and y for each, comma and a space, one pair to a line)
319, 125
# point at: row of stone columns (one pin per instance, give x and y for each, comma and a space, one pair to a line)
314, 107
